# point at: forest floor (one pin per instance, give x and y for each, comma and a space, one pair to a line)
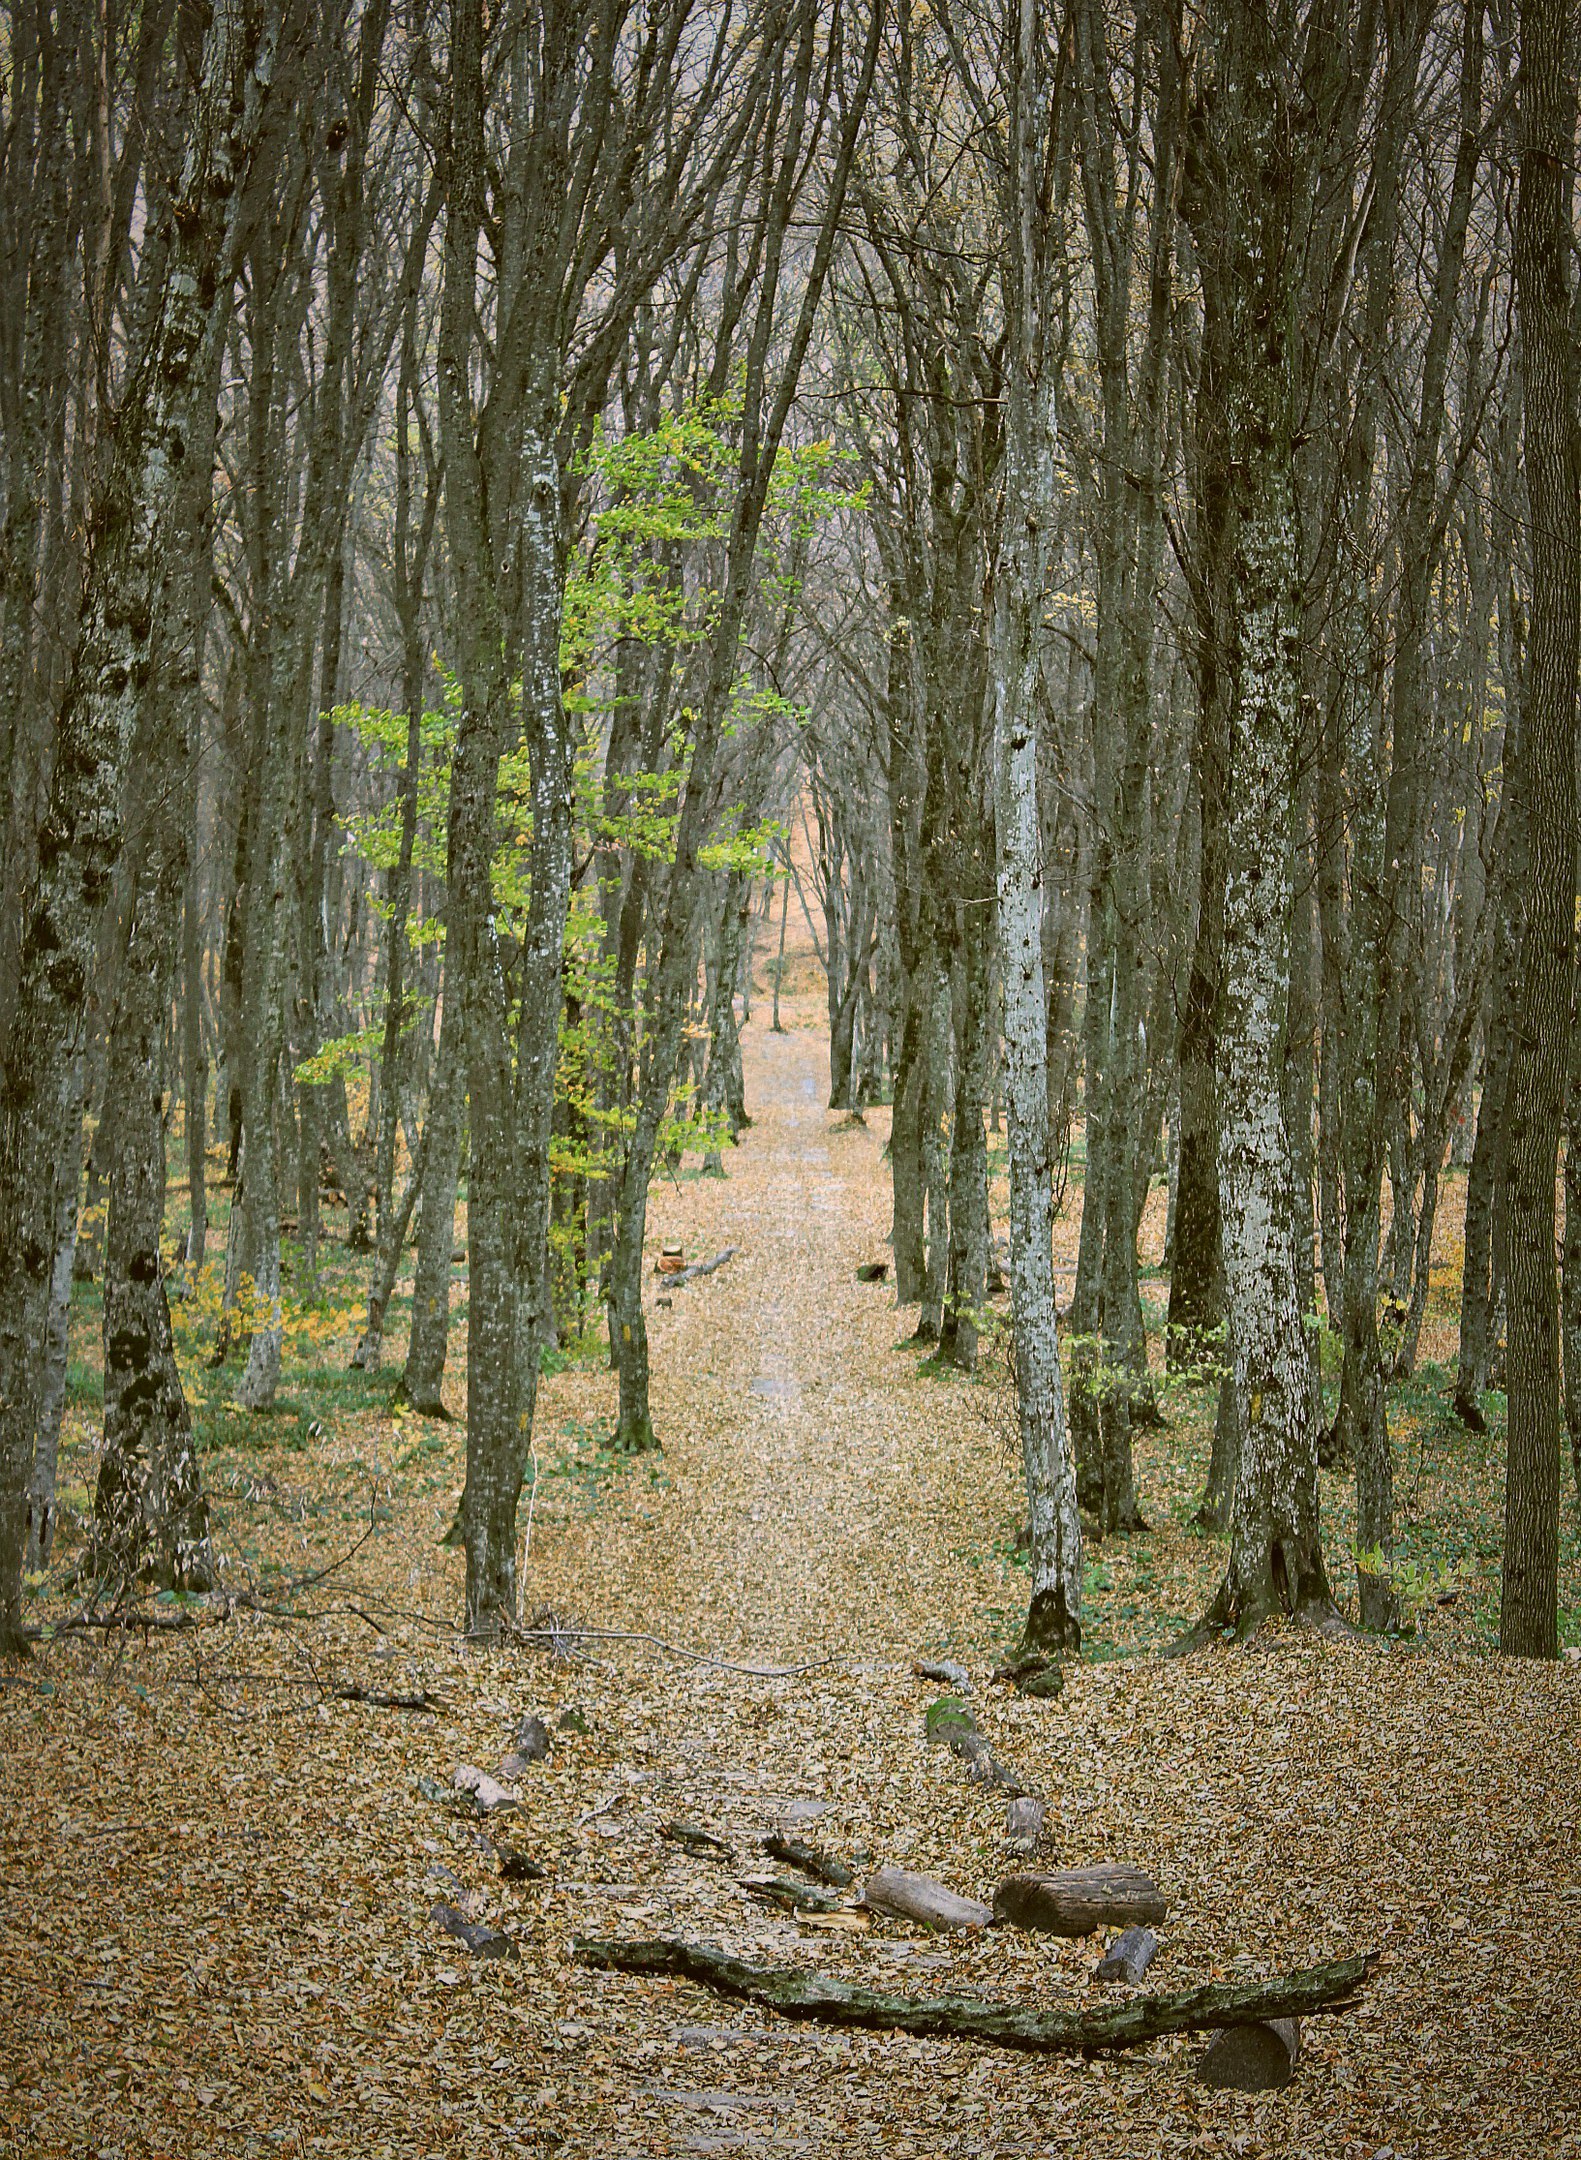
215, 1932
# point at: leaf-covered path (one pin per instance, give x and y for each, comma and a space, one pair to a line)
218, 1876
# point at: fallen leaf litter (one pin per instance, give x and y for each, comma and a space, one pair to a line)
216, 1932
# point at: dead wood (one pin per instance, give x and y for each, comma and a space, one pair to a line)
905, 1896
699, 1268
793, 1994
1253, 2058
822, 1866
484, 1942
790, 1895
1024, 1822
375, 1700
1078, 1901
1129, 1955
950, 1721
702, 1844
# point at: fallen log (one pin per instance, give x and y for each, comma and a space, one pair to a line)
375, 1700
483, 1942
822, 1866
793, 1994
1079, 1901
701, 1844
904, 1896
700, 1268
1253, 2058
792, 1896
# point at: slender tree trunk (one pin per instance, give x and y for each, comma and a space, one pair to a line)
1543, 826
430, 1336
195, 1069
1053, 1620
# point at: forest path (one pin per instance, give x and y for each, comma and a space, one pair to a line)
799, 1509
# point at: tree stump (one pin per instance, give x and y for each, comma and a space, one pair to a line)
1079, 1901
1024, 1822
1253, 2058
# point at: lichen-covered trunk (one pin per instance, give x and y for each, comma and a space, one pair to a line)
150, 1516
1276, 1553
1053, 1621
52, 1389
80, 839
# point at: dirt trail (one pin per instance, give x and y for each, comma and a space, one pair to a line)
216, 1933
787, 1403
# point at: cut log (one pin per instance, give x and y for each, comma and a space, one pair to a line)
1253, 2058
483, 1942
794, 1994
945, 1671
1034, 1674
1129, 1955
531, 1745
904, 1896
822, 1866
517, 1866
1024, 1822
1078, 1901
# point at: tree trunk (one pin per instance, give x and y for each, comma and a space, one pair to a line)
430, 1336
52, 1391
1543, 827
1242, 226
1053, 1621
81, 837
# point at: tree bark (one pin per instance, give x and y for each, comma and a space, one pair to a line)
1053, 1621
81, 837
1241, 202
1543, 827
429, 1341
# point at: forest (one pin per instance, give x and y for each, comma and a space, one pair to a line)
790, 1084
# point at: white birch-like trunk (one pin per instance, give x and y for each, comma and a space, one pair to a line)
1054, 1608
